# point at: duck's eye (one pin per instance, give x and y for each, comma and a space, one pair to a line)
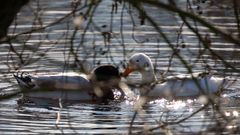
146, 64
137, 60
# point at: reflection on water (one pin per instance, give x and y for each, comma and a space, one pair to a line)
48, 51
112, 118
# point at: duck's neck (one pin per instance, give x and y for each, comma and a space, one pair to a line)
148, 76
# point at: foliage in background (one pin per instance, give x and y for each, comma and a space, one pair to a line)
82, 53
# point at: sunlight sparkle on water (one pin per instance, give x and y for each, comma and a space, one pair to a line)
235, 113
190, 109
189, 101
227, 114
176, 105
129, 102
231, 126
224, 95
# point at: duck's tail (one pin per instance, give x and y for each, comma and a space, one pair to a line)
229, 81
24, 81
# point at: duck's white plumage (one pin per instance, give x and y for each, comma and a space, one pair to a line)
61, 86
62, 81
188, 86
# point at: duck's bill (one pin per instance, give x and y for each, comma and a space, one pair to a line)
127, 71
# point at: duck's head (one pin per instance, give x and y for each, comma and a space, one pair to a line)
138, 62
106, 73
105, 78
142, 63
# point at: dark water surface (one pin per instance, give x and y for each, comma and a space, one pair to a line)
47, 51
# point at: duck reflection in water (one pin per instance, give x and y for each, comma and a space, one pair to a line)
98, 86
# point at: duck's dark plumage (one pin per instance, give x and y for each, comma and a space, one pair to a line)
106, 73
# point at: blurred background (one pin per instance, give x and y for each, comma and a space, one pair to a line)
180, 36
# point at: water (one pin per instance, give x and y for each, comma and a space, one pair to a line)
47, 51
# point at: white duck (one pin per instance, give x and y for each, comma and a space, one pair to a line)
174, 87
95, 87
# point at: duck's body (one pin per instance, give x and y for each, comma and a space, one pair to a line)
60, 86
72, 86
184, 86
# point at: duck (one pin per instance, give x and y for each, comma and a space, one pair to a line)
97, 86
181, 86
